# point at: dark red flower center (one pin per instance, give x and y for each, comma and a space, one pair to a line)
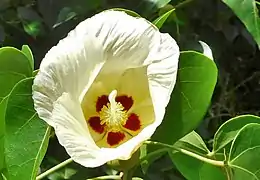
114, 138
133, 122
95, 123
115, 135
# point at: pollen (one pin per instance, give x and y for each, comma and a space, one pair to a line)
114, 113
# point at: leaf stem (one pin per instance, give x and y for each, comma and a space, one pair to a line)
189, 153
106, 177
55, 168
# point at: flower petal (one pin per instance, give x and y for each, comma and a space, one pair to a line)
162, 74
206, 50
101, 50
134, 83
73, 64
125, 46
72, 132
62, 70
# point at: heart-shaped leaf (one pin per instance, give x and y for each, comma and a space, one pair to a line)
194, 169
228, 131
14, 66
196, 79
193, 142
26, 135
161, 20
200, 170
28, 53
3, 104
244, 156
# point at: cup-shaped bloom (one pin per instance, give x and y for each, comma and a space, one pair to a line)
104, 88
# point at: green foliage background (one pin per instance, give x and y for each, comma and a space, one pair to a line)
42, 23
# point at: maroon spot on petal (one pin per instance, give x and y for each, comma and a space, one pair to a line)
133, 122
126, 101
101, 101
95, 123
114, 138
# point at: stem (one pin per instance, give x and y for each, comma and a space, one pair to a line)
228, 173
125, 175
152, 154
55, 168
106, 177
128, 174
189, 153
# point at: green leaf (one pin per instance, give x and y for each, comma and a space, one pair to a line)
26, 135
3, 104
193, 169
28, 53
35, 72
228, 131
33, 28
32, 22
161, 20
65, 15
244, 156
146, 158
193, 142
197, 77
14, 66
247, 12
200, 170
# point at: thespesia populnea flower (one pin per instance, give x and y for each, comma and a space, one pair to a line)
104, 88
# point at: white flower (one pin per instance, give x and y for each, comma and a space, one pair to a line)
104, 87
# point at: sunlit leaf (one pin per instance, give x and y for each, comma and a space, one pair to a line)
228, 131
194, 169
14, 66
28, 53
200, 170
32, 22
33, 28
193, 142
3, 104
244, 156
161, 20
197, 77
26, 135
